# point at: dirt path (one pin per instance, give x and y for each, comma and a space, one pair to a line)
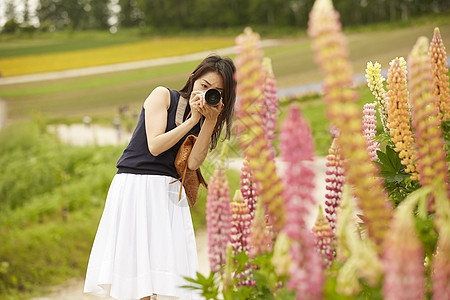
73, 289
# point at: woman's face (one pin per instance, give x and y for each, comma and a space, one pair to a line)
210, 80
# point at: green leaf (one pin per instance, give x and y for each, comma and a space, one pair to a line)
391, 167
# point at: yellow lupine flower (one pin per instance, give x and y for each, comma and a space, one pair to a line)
398, 115
440, 78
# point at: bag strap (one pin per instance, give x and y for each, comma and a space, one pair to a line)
181, 108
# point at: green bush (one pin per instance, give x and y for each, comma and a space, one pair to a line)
51, 199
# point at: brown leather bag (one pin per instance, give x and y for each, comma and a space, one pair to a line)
190, 179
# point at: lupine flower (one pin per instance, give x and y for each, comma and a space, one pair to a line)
334, 183
431, 163
441, 267
398, 112
359, 255
218, 218
248, 189
240, 232
375, 84
260, 239
323, 238
370, 130
270, 107
250, 128
306, 273
297, 146
403, 257
441, 261
240, 221
438, 57
331, 54
281, 259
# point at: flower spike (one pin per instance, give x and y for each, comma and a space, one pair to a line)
250, 128
438, 57
431, 163
331, 54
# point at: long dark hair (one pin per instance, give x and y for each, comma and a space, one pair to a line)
225, 67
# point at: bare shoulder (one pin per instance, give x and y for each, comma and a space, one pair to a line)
159, 97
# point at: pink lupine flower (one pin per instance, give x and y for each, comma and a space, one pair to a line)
403, 258
370, 130
306, 269
323, 238
438, 57
240, 232
375, 84
398, 115
431, 163
334, 183
260, 239
248, 189
440, 268
250, 129
331, 53
240, 224
270, 107
218, 218
296, 145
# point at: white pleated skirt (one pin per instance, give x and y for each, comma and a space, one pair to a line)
145, 242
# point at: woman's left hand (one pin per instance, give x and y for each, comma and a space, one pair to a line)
208, 111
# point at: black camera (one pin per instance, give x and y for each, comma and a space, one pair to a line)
212, 97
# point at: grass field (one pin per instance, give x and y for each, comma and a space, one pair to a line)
292, 61
112, 54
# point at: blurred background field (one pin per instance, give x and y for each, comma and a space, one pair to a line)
52, 194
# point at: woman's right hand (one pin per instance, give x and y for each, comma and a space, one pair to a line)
195, 102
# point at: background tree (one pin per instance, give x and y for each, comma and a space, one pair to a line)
130, 15
99, 14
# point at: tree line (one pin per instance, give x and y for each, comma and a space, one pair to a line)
200, 14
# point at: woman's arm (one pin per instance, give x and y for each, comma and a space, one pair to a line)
201, 146
156, 106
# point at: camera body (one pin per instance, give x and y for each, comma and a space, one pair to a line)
212, 97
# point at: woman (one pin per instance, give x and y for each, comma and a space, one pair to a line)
145, 241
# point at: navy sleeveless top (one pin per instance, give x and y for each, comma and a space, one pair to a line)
137, 159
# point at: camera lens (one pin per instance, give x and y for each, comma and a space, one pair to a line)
212, 97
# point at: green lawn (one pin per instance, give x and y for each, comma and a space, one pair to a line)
55, 42
292, 61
